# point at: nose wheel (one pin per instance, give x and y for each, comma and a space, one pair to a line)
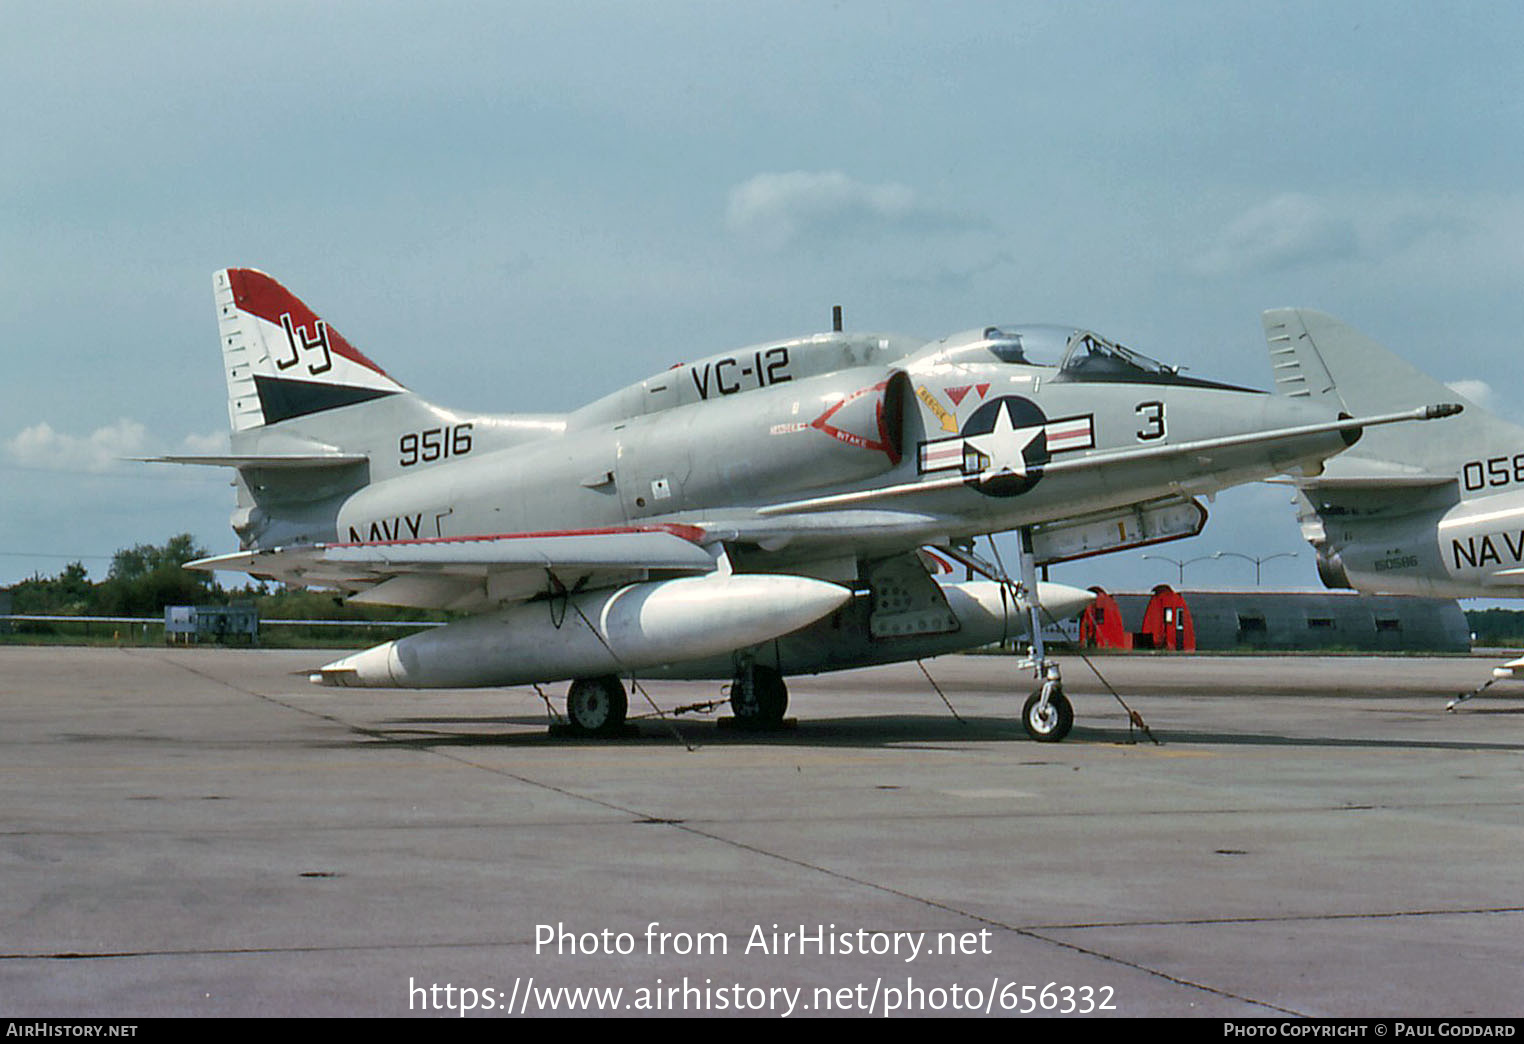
1048, 720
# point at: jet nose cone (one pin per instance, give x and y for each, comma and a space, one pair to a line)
1060, 601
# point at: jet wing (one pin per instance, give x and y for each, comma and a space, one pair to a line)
1200, 451
476, 573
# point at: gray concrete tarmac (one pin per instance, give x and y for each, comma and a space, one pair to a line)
202, 832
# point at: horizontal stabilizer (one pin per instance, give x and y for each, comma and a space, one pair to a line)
1374, 481
283, 460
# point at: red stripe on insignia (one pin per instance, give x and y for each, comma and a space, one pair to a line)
258, 294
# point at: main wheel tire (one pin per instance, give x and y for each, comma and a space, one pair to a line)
759, 697
597, 706
1052, 726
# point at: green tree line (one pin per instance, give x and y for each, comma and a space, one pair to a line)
1496, 626
145, 578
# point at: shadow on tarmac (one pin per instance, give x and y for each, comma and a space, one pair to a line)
870, 732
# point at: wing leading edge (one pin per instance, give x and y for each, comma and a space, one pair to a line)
475, 573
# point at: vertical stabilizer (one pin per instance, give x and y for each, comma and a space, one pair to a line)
314, 420
1297, 365
1317, 357
282, 361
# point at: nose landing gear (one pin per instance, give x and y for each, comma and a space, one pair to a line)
1048, 715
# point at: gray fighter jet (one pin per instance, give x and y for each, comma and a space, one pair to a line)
752, 515
1437, 512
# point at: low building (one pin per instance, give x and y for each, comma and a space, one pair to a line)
211, 623
1101, 624
1274, 620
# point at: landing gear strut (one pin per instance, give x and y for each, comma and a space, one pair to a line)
758, 697
597, 706
1047, 715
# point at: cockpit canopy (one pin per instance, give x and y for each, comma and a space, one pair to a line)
1092, 357
1077, 355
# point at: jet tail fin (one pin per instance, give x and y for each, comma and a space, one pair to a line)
314, 419
281, 360
1317, 357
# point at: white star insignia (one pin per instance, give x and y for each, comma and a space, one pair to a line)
1003, 450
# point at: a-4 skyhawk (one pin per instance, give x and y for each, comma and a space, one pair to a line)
752, 515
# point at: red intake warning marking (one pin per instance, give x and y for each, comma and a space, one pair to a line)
879, 441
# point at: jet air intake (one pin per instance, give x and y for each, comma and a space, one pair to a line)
793, 437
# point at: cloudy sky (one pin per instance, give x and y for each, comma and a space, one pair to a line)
525, 205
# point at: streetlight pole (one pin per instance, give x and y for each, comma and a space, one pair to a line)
1251, 558
1179, 564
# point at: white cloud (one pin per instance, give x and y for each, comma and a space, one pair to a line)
40, 446
1436, 240
1479, 392
213, 443
1284, 232
43, 447
776, 209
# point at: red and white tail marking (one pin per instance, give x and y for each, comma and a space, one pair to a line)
269, 336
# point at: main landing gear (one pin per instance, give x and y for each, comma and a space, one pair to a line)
758, 697
597, 706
